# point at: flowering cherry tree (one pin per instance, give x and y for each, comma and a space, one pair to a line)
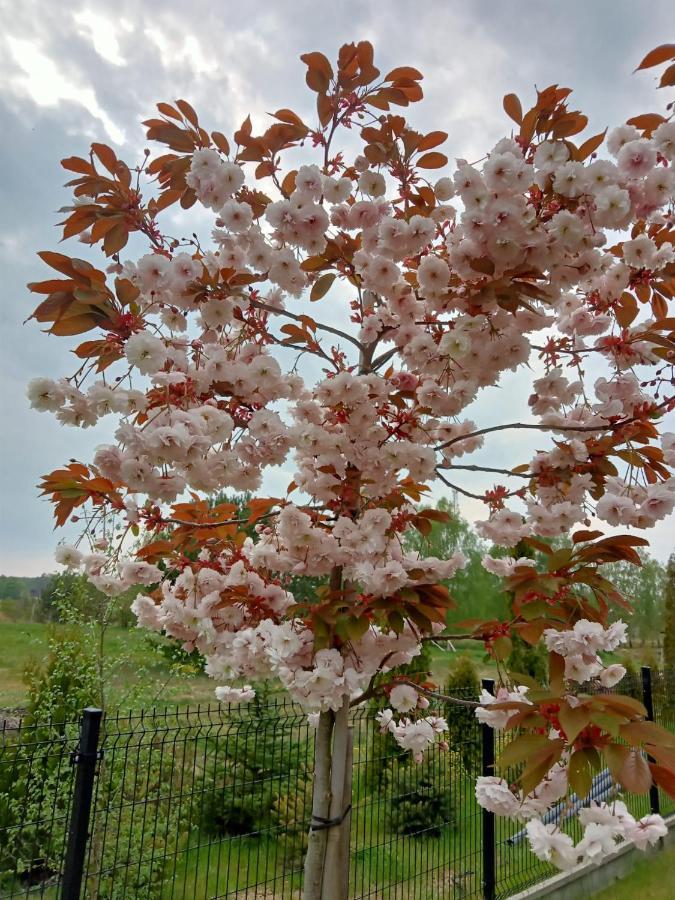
342, 316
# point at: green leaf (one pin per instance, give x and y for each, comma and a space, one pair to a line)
396, 622
558, 559
579, 773
574, 720
535, 610
502, 647
539, 764
353, 628
521, 748
608, 722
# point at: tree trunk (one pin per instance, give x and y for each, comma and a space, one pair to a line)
336, 868
316, 842
326, 874
342, 864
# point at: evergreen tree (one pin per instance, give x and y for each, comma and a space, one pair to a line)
669, 625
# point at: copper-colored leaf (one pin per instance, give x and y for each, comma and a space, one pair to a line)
615, 755
590, 146
556, 672
513, 108
528, 125
433, 160
665, 778
324, 108
647, 732
657, 56
288, 184
221, 142
287, 115
126, 291
626, 310
107, 156
646, 122
634, 774
580, 536
75, 164
188, 112
321, 286
659, 307
319, 71
568, 125
668, 77
433, 139
116, 239
403, 72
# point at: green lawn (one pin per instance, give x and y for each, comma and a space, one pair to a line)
651, 879
25, 643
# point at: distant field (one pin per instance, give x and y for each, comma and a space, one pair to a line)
26, 642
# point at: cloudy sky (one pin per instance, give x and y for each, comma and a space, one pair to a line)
75, 72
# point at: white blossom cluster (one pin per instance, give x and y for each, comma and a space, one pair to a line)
606, 825
580, 645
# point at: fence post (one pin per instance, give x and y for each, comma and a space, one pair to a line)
85, 758
648, 700
488, 818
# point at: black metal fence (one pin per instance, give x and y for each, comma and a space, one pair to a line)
214, 802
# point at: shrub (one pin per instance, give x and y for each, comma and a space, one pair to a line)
463, 733
66, 682
257, 785
34, 789
526, 659
423, 804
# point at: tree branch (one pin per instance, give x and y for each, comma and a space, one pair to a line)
434, 638
242, 521
289, 315
461, 490
472, 704
527, 475
528, 425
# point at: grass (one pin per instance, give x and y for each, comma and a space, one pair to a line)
650, 879
141, 679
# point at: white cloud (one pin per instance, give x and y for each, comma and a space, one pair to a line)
41, 79
103, 33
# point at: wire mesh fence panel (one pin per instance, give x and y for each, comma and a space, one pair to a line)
202, 803
215, 802
517, 867
415, 827
36, 786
